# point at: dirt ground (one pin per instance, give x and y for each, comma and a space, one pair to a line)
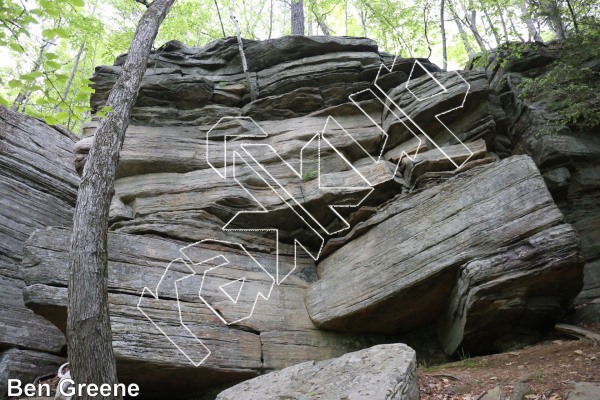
545, 371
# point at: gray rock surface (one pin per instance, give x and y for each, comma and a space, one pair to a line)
412, 249
535, 278
412, 253
38, 186
26, 365
278, 335
568, 158
380, 372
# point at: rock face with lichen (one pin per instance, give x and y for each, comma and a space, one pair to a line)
354, 202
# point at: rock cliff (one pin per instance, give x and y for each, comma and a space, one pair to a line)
38, 187
357, 200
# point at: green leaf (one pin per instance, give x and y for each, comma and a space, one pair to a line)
61, 78
36, 74
88, 89
51, 56
62, 33
50, 120
77, 3
62, 116
41, 101
82, 97
16, 47
80, 109
48, 34
14, 83
3, 102
52, 64
47, 4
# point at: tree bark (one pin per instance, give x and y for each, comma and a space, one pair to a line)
297, 17
363, 20
461, 31
573, 16
242, 53
534, 34
89, 335
443, 29
492, 27
503, 22
220, 20
515, 31
425, 27
472, 23
63, 98
554, 17
25, 92
271, 21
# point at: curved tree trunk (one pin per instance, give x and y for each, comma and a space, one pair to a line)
89, 335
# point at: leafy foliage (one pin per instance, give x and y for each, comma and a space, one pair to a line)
49, 48
570, 87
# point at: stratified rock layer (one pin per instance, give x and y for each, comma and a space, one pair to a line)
409, 227
569, 158
414, 246
38, 186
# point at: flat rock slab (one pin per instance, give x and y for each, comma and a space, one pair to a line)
380, 372
409, 257
585, 391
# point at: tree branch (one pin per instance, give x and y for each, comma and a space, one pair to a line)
144, 2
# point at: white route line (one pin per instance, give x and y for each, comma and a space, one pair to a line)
281, 191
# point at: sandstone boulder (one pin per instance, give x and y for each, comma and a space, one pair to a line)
380, 372
413, 247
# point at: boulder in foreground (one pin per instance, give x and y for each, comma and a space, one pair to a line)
380, 372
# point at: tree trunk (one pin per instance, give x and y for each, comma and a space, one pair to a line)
363, 20
297, 17
554, 17
503, 22
461, 31
425, 27
271, 21
25, 92
472, 23
89, 335
71, 75
534, 34
220, 20
346, 16
242, 53
443, 29
573, 17
492, 27
515, 31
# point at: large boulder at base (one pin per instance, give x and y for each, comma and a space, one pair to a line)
380, 372
38, 187
410, 256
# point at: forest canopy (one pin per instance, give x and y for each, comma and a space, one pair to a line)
49, 48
